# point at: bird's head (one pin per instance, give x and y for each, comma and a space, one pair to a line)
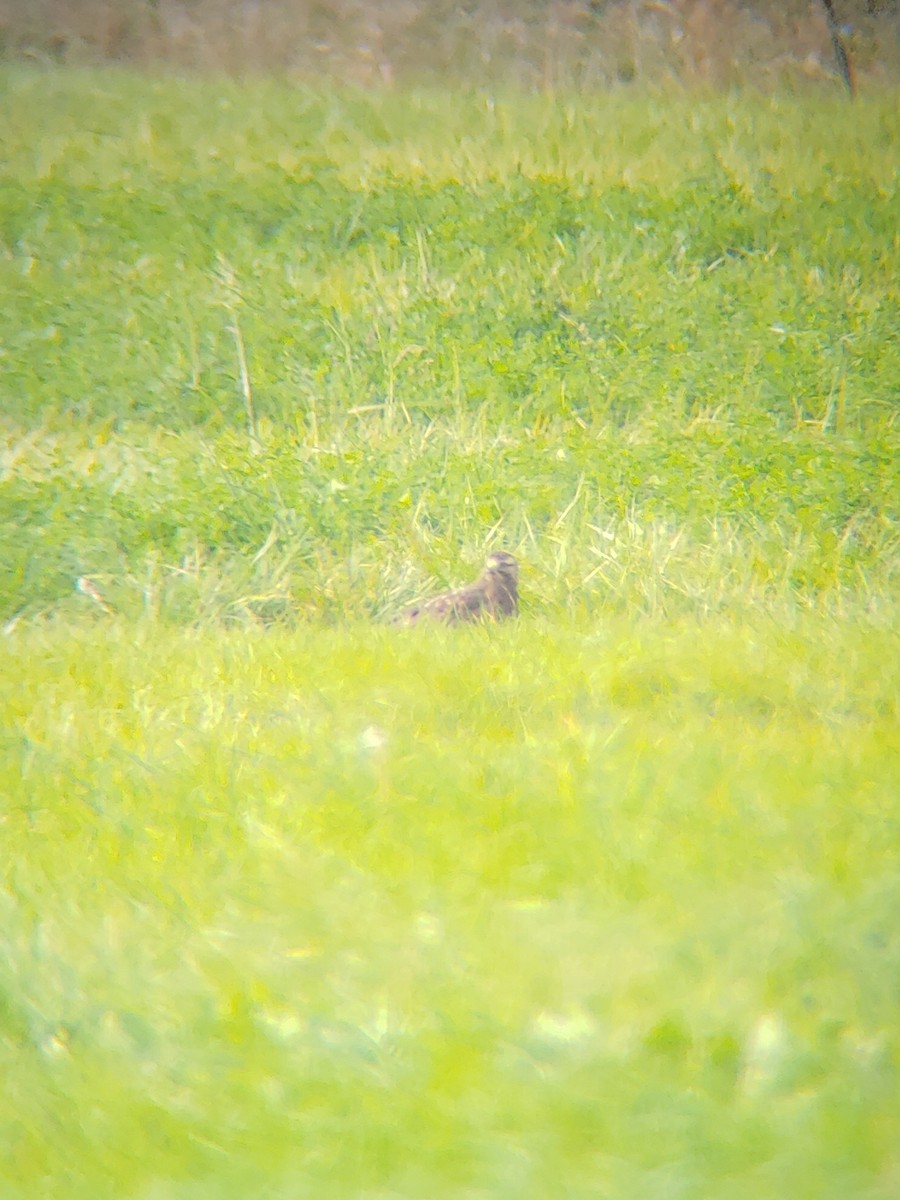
503, 564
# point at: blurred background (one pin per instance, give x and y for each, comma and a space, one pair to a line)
535, 43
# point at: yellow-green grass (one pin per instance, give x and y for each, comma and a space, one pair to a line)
600, 903
343, 912
382, 330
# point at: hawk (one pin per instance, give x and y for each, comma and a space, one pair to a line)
493, 596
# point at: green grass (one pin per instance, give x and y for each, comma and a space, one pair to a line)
542, 316
602, 903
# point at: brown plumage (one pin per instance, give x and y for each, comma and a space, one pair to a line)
493, 596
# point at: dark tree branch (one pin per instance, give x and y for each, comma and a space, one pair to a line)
840, 50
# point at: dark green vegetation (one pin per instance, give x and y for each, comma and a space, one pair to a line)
598, 904
683, 314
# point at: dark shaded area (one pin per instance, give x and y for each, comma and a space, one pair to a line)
531, 42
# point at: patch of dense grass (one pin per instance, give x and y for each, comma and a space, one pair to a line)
600, 903
549, 254
341, 911
678, 312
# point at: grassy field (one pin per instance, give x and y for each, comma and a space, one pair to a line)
599, 904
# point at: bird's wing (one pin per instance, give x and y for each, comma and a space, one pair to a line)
462, 605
